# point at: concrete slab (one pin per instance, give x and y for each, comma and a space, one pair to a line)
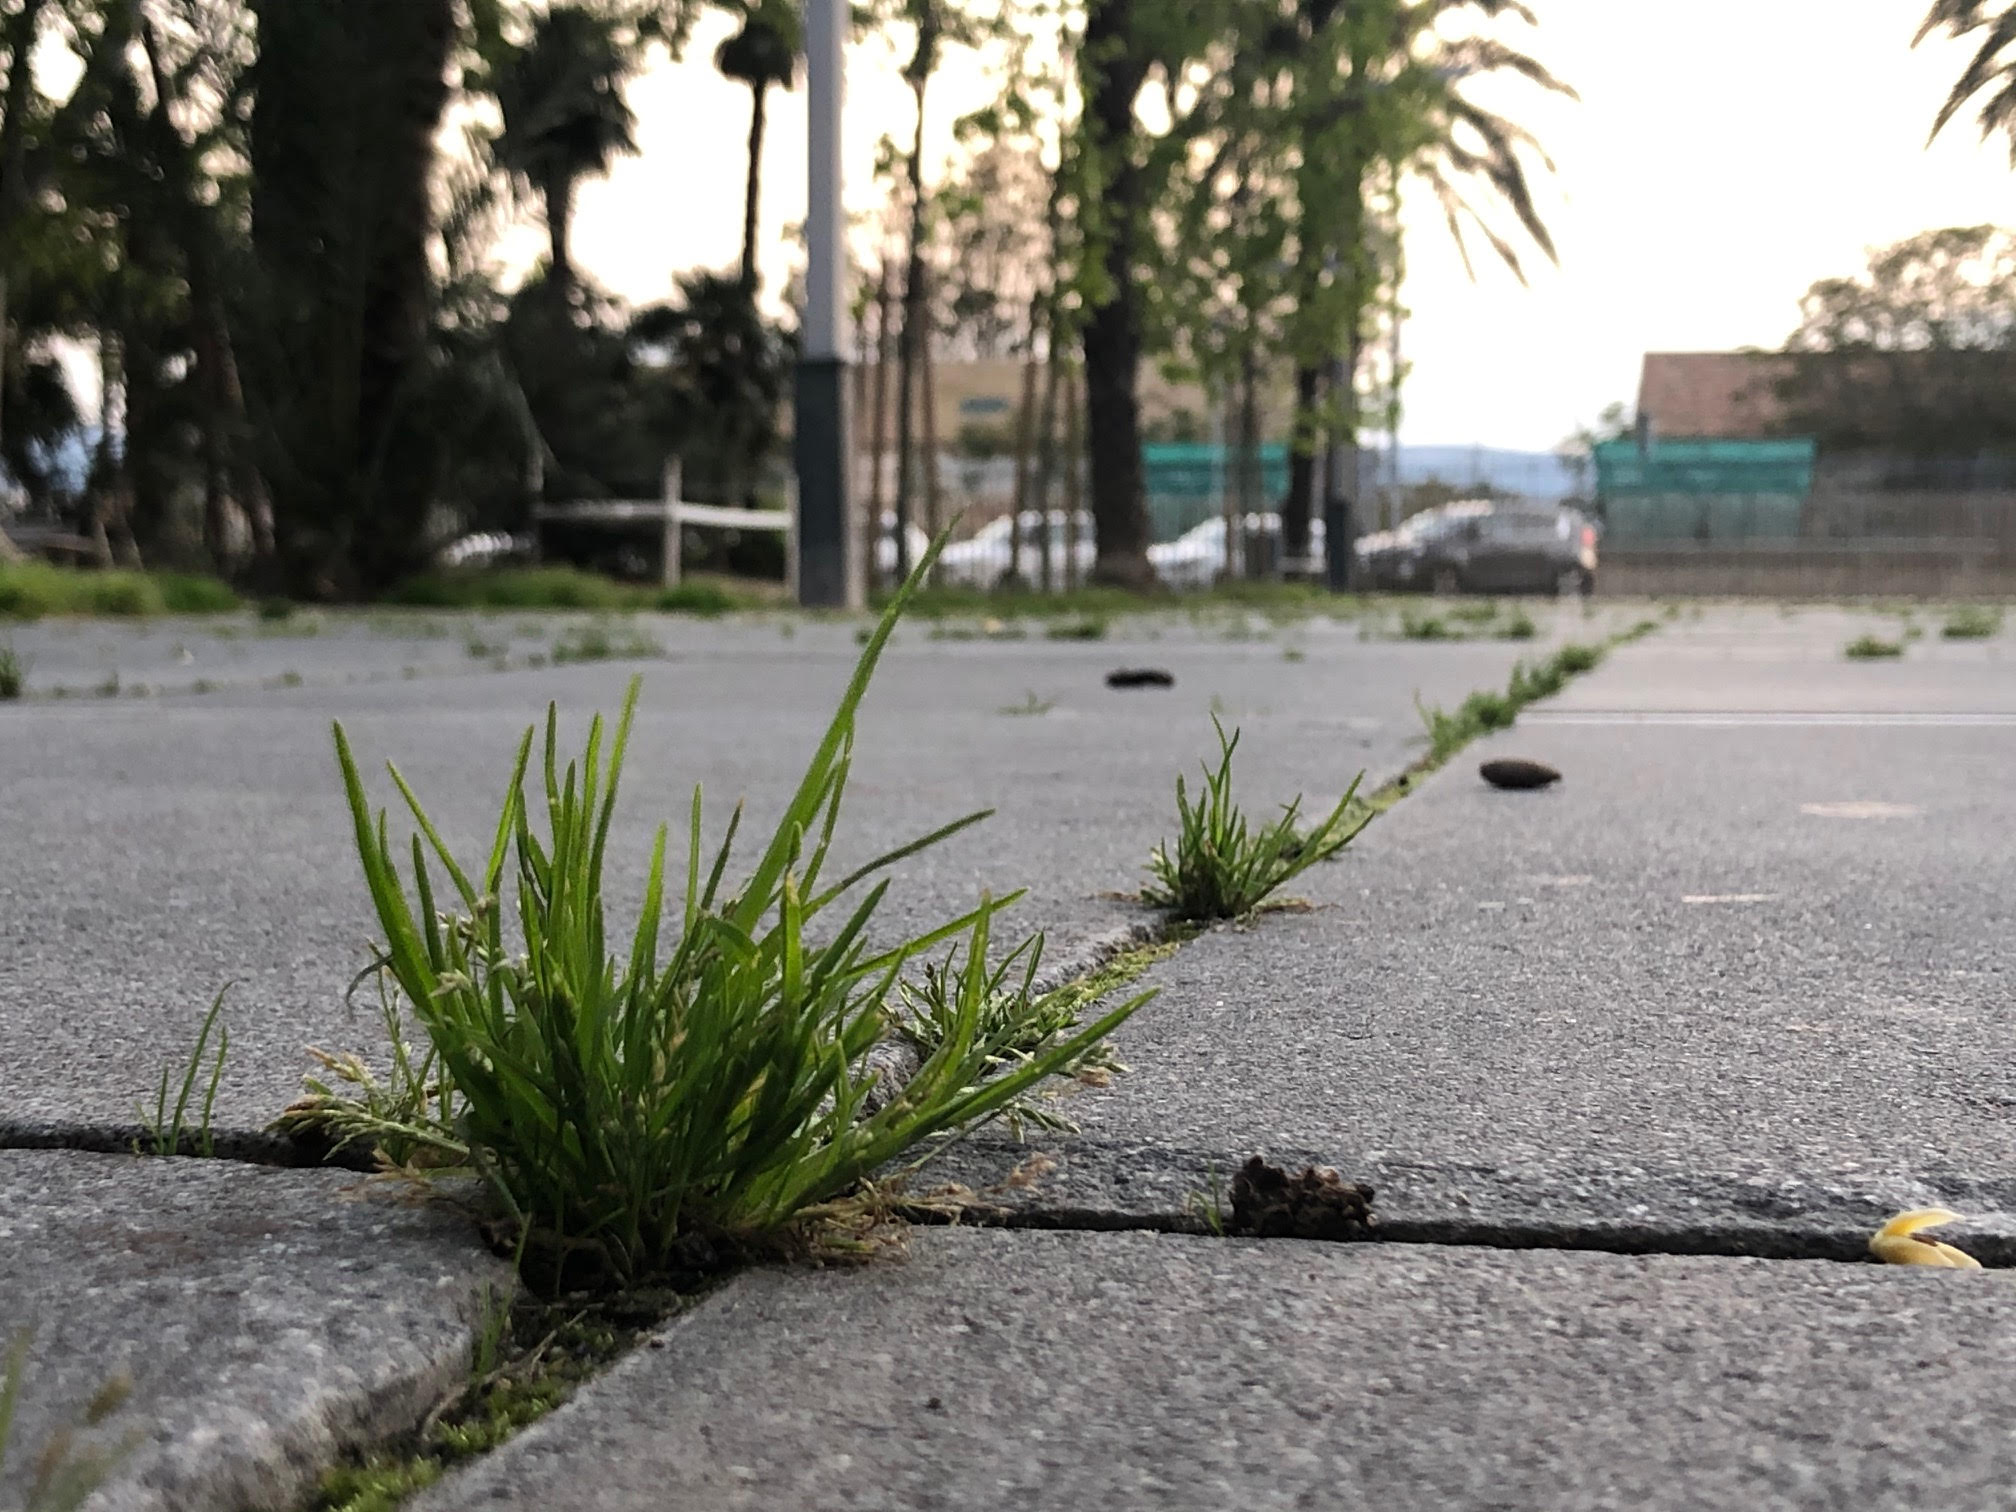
1738, 986
1010, 1371
264, 1319
158, 850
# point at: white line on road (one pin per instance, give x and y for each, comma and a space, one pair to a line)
1707, 720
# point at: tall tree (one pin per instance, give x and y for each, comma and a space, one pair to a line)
348, 105
21, 32
565, 117
762, 54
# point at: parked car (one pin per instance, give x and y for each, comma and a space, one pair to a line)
885, 546
1197, 557
1484, 546
982, 561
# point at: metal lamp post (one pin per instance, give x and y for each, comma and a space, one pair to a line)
827, 575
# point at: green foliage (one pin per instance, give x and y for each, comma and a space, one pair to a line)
558, 588
1485, 711
1972, 622
1223, 869
1085, 628
169, 1130
1516, 626
29, 590
1013, 1025
599, 642
630, 1113
13, 673
1424, 627
65, 1474
1872, 648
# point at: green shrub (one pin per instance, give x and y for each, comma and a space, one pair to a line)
1972, 622
1222, 869
185, 593
696, 598
632, 1114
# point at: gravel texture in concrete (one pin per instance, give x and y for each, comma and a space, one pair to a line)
260, 1320
159, 850
1011, 1371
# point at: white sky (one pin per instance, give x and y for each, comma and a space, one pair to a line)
1725, 154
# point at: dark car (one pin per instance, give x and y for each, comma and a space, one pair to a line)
1479, 546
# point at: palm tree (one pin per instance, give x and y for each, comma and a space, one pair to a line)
1988, 71
763, 53
565, 117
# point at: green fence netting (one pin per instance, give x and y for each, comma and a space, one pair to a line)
1703, 490
1186, 482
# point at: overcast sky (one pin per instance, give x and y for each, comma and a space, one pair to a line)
1724, 154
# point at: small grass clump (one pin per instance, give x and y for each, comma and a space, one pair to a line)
1015, 1026
707, 599
172, 1131
1424, 627
1484, 712
1030, 707
30, 590
1872, 648
634, 1113
1972, 622
1085, 628
598, 643
1517, 626
13, 672
1220, 867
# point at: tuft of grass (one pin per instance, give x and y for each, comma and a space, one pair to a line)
30, 590
1221, 868
65, 1475
596, 643
1972, 622
110, 687
1424, 627
1518, 626
1014, 1026
167, 1131
13, 672
1484, 712
1480, 613
1293, 654
1030, 706
633, 1113
481, 650
274, 611
1872, 648
1085, 628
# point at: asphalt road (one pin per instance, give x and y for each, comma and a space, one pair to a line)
158, 849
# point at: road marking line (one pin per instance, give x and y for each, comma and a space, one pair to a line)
1764, 720
1861, 809
1727, 897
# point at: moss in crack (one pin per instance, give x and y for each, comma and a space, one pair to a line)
529, 1358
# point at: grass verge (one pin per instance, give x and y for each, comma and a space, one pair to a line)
30, 590
561, 588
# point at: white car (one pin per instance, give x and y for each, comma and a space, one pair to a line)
1196, 558
885, 546
982, 562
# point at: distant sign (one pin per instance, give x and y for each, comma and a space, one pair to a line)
986, 404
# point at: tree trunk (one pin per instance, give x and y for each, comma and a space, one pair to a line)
1113, 67
1074, 462
348, 97
558, 192
751, 192
1296, 509
1046, 466
927, 391
1025, 432
14, 150
1251, 477
913, 331
1341, 503
879, 435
